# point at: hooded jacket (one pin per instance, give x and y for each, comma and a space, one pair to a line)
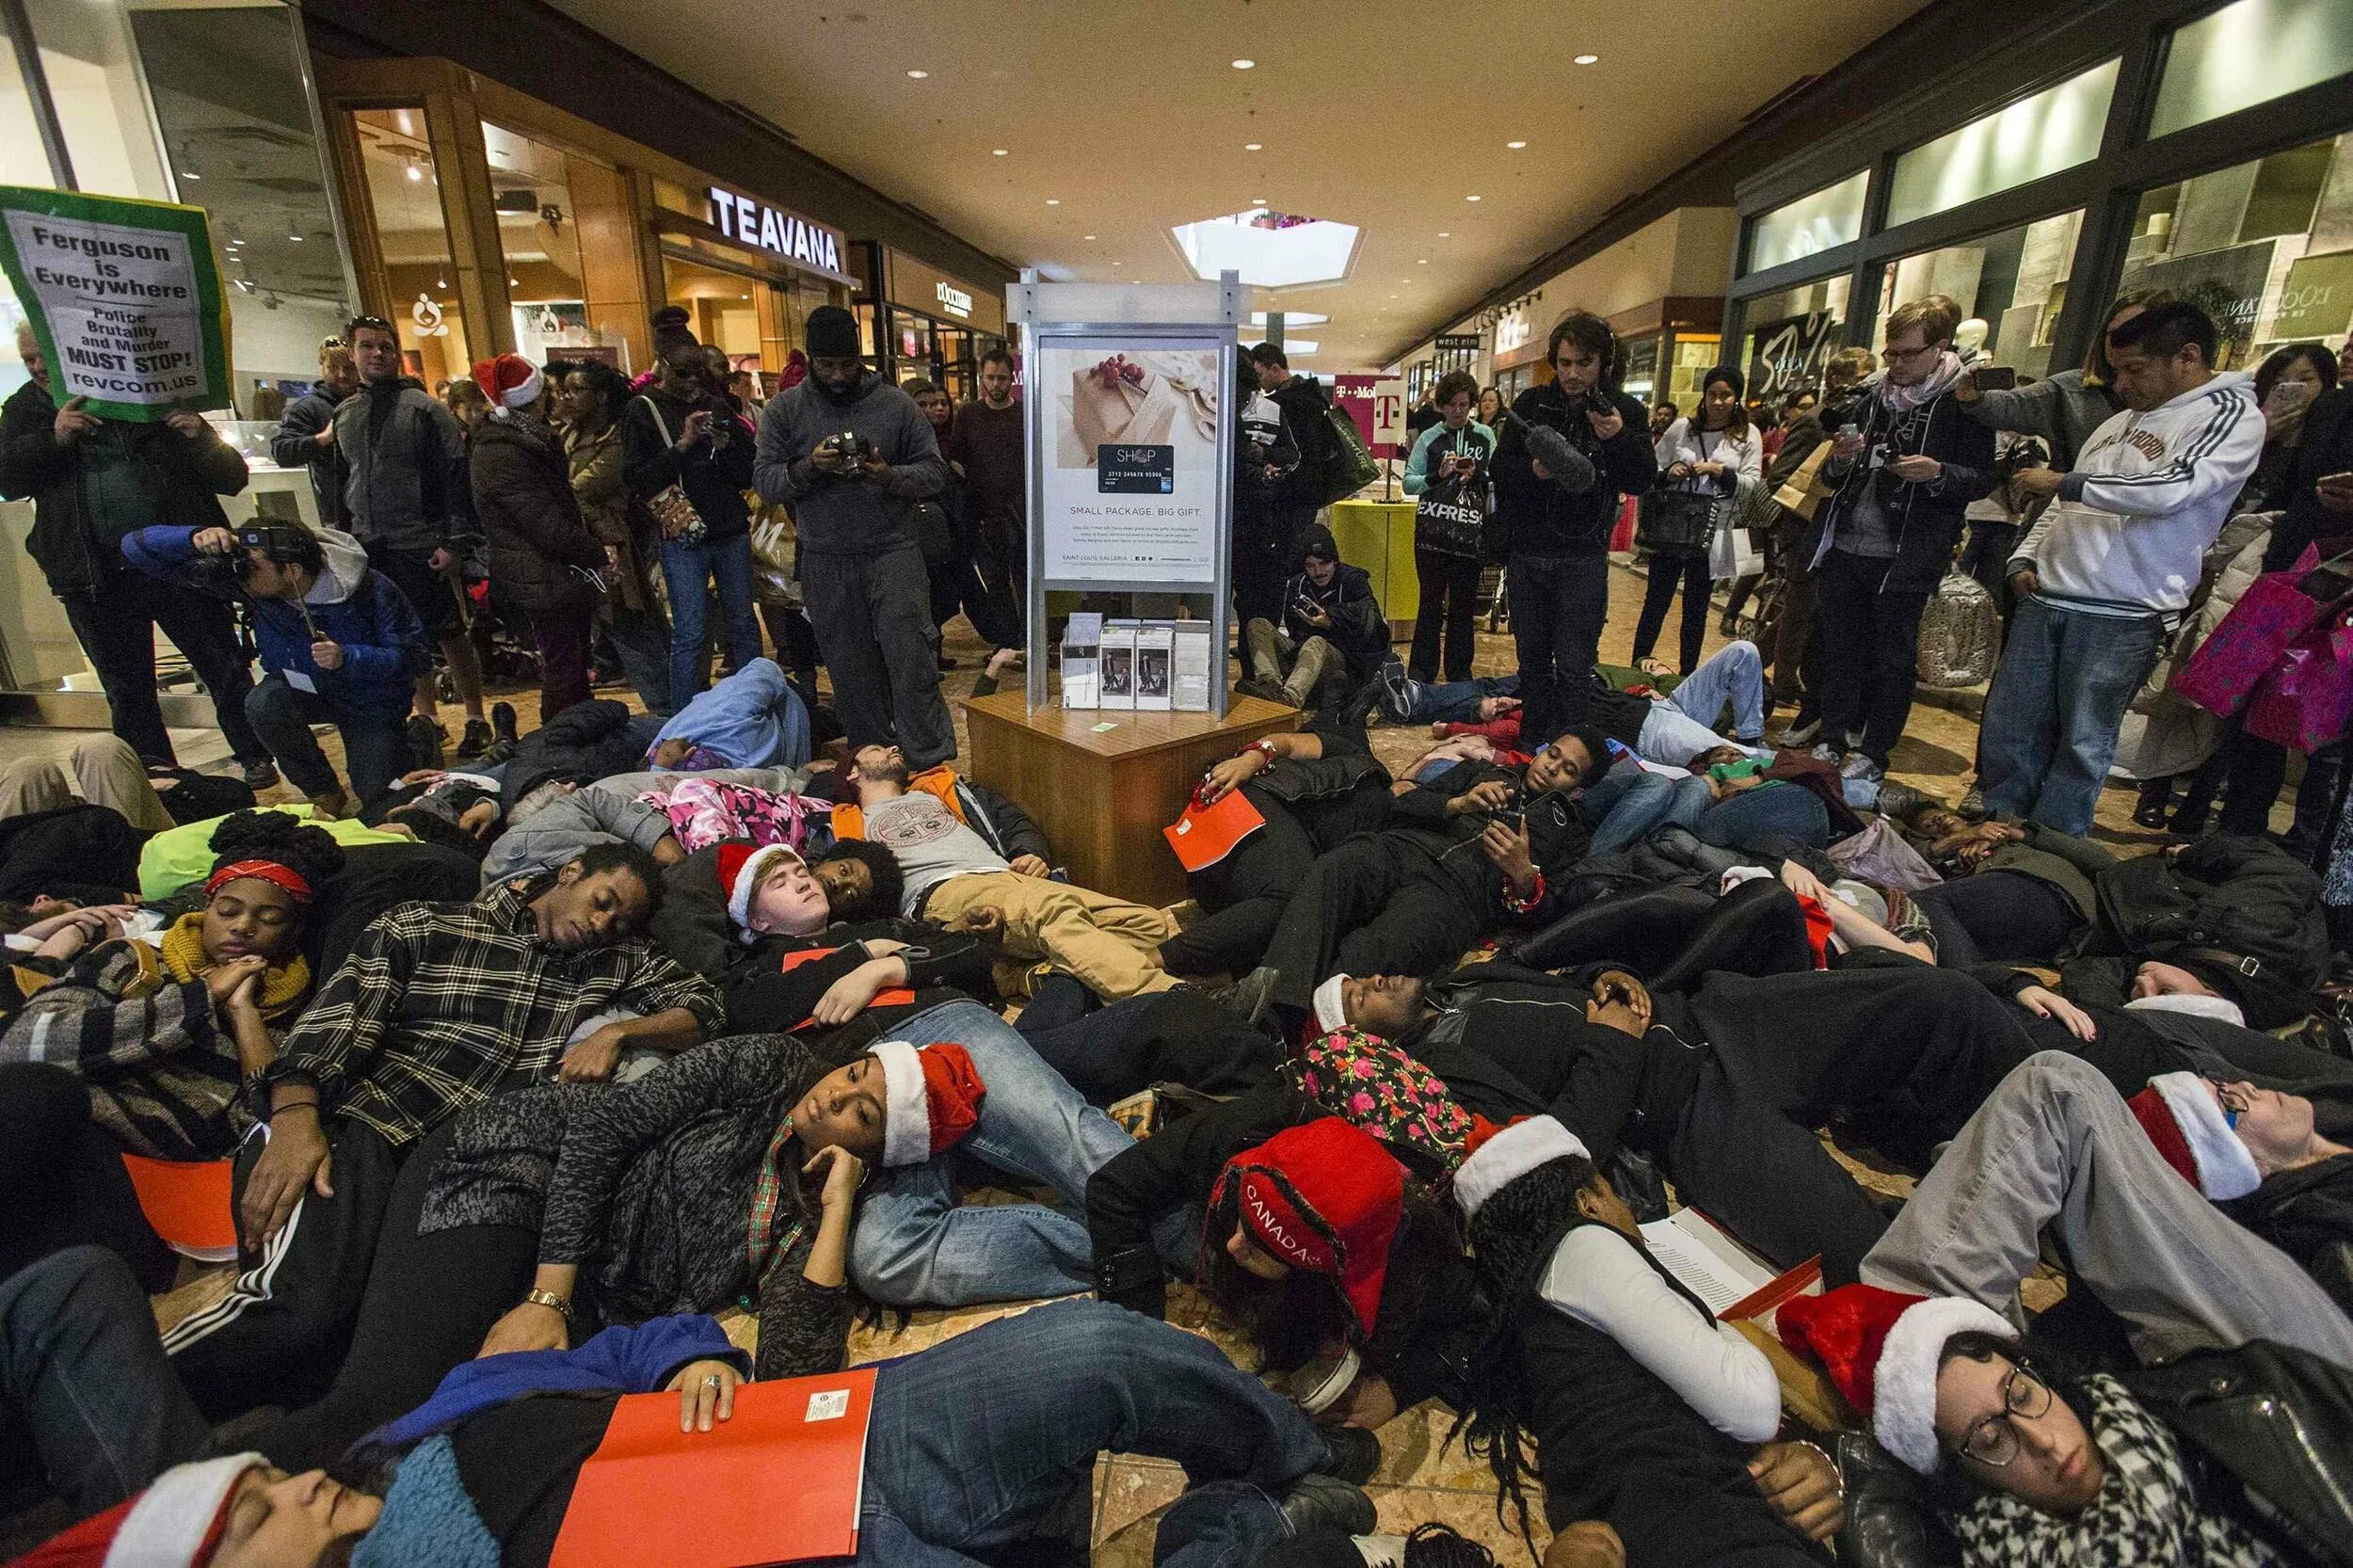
351, 603
540, 546
1303, 403
404, 455
294, 446
1358, 629
1926, 518
1544, 518
836, 514
181, 479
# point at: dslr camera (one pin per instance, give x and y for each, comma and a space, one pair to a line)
855, 450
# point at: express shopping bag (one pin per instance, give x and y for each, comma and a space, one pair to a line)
2306, 699
2277, 609
1732, 553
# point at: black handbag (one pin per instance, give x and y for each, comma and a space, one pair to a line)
1676, 523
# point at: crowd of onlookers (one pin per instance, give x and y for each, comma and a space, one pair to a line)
528, 1064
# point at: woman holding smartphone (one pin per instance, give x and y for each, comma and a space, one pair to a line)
1709, 454
1449, 474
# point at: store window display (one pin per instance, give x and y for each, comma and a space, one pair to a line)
2014, 282
404, 189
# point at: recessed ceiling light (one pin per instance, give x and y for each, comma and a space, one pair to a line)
1392, 296
1119, 263
1587, 59
998, 151
1087, 236
918, 75
1446, 233
1470, 199
296, 238
1251, 146
190, 174
1054, 200
1244, 65
1421, 260
1515, 146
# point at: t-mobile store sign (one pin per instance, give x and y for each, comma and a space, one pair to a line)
796, 239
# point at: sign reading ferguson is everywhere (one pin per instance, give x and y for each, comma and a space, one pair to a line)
124, 298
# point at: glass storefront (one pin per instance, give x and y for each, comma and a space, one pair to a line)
1792, 335
404, 194
2014, 283
531, 189
1830, 217
2057, 128
2265, 247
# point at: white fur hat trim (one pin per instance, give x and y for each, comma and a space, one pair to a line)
2195, 1004
173, 1518
1510, 1154
1903, 1384
906, 1107
740, 895
1331, 1012
2225, 1169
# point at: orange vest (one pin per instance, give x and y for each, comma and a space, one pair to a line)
849, 817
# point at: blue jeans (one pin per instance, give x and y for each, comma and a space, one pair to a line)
914, 1246
282, 716
689, 569
978, 1442
2058, 698
1782, 807
84, 1375
1683, 726
1452, 702
1627, 806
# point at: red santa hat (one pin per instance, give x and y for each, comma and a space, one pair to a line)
931, 1098
1882, 1349
176, 1523
2183, 1118
1500, 1155
1326, 1198
509, 381
740, 867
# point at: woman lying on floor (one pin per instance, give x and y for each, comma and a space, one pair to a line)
143, 1044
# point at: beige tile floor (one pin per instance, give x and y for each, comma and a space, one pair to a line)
1421, 1476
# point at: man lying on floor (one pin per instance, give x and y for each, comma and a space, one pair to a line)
980, 1447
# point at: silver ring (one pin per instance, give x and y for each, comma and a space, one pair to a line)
711, 1380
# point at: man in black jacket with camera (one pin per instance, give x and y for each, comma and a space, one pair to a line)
1556, 571
1906, 465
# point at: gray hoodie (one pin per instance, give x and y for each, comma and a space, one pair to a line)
839, 516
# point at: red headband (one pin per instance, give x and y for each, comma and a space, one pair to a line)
268, 871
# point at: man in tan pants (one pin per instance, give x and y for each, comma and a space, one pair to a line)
107, 772
963, 849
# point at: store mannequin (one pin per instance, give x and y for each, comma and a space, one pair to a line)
1969, 340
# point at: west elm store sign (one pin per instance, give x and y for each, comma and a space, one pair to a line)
750, 222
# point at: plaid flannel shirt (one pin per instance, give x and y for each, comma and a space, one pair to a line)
442, 1005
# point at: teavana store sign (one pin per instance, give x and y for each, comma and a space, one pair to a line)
796, 239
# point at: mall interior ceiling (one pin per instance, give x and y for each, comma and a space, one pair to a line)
1462, 145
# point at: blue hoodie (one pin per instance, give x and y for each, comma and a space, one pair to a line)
352, 603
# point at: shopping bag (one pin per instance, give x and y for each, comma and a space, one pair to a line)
1960, 635
1451, 520
2277, 609
1804, 489
2306, 699
1882, 855
1732, 553
1676, 523
1347, 465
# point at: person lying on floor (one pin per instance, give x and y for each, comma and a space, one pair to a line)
728, 1175
145, 1044
560, 819
179, 858
2029, 1460
439, 1007
1653, 1423
1315, 787
977, 1448
1730, 797
2202, 1214
1666, 727
961, 847
751, 719
1461, 854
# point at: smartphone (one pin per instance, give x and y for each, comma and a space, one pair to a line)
1995, 378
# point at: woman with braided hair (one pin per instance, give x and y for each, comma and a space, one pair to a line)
137, 1031
1652, 1422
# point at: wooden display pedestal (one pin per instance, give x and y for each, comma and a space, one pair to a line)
1102, 798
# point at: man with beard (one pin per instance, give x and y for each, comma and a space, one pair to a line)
853, 456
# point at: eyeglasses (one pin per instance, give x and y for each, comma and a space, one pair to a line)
1993, 1441
2234, 1103
378, 323
1892, 352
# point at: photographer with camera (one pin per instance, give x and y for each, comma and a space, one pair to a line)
340, 644
853, 456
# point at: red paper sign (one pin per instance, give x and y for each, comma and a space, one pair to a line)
188, 1202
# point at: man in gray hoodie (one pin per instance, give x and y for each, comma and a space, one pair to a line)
862, 577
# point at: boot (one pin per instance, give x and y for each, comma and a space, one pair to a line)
330, 805
476, 739
1266, 663
503, 722
425, 740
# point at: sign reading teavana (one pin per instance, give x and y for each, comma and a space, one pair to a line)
124, 298
754, 223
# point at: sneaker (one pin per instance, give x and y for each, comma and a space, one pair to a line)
1857, 766
1822, 751
1355, 1454
1397, 690
1799, 734
260, 774
503, 723
1246, 998
476, 740
1326, 1502
1271, 690
1972, 805
425, 740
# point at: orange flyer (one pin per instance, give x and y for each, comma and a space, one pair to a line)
894, 996
188, 1202
781, 1481
1207, 834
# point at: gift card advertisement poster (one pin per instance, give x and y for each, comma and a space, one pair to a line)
1131, 494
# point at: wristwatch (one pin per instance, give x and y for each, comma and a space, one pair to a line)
536, 1297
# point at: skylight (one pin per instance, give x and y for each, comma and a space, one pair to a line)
1270, 250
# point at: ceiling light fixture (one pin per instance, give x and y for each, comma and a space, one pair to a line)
998, 151
1245, 65
1421, 260
1054, 200
1588, 59
1515, 146
1252, 146
1087, 236
1446, 233
296, 238
190, 174
918, 75
1470, 199
416, 173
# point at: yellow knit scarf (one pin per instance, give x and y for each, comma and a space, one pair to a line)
282, 986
